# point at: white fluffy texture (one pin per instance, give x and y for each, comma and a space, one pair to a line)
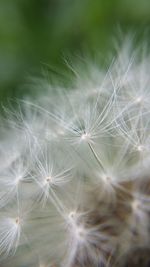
58, 150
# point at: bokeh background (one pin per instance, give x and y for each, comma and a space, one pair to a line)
37, 35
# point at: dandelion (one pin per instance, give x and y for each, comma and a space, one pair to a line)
78, 161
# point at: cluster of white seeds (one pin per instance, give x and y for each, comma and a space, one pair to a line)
75, 170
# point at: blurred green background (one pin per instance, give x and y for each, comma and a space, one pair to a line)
36, 35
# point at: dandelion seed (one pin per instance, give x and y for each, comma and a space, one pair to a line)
10, 231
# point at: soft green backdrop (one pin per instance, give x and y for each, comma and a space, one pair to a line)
36, 35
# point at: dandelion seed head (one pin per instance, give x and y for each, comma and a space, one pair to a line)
80, 161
